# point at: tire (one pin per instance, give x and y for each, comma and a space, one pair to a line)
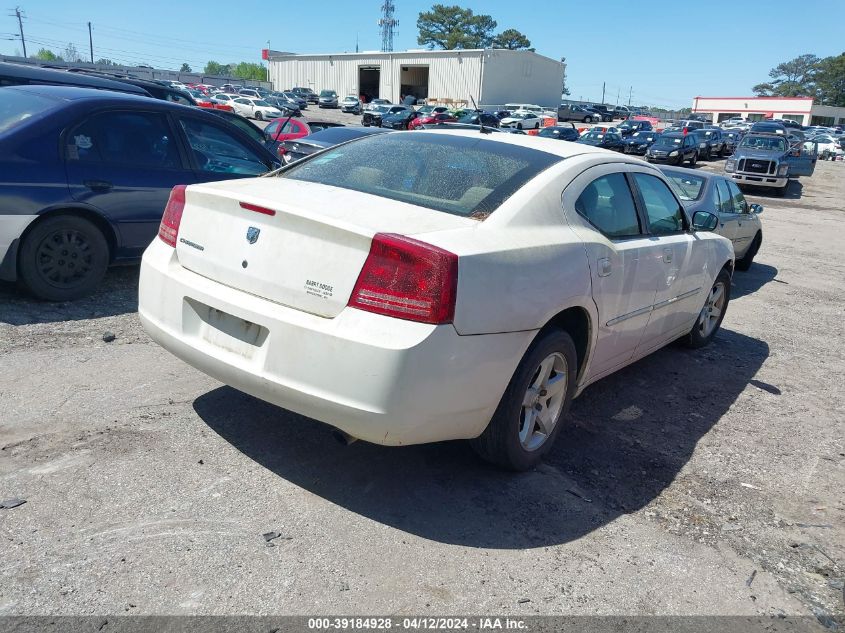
693, 160
259, 116
706, 325
747, 259
79, 250
500, 442
724, 152
536, 126
780, 192
519, 126
588, 119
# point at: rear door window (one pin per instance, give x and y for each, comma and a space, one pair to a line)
664, 212
143, 139
725, 202
216, 150
608, 205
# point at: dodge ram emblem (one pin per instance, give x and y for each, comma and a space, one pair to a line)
252, 234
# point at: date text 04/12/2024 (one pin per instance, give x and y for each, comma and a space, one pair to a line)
413, 624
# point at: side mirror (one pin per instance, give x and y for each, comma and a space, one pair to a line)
756, 208
704, 221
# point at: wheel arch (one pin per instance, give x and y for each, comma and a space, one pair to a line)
577, 322
106, 228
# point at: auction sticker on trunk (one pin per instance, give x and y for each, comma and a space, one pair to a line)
317, 289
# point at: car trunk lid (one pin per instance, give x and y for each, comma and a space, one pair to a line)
298, 244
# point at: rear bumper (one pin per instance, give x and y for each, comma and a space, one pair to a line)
11, 229
380, 379
761, 180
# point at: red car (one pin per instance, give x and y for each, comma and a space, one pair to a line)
205, 102
429, 119
286, 129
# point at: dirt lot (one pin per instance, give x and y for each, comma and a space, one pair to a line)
705, 482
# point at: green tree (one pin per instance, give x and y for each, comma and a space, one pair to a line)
451, 27
512, 40
830, 80
45, 54
185, 68
795, 78
105, 62
214, 68
250, 70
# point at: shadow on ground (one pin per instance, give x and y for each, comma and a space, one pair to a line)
628, 437
117, 294
751, 280
794, 191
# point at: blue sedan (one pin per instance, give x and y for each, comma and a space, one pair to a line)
86, 175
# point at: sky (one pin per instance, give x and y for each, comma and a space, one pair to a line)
657, 52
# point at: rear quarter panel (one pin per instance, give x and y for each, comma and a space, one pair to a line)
522, 265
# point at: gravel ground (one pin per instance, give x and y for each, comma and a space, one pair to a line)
693, 482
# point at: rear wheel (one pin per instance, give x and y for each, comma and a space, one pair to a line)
63, 258
711, 315
748, 258
527, 420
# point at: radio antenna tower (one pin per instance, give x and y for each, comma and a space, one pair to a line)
387, 24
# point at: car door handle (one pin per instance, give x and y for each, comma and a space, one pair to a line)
667, 255
97, 185
605, 268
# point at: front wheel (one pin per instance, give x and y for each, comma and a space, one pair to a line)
747, 259
259, 116
519, 126
711, 315
693, 160
527, 420
63, 258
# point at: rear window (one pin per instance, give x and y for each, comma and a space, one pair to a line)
687, 186
464, 176
16, 107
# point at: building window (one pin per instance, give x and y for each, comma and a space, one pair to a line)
823, 120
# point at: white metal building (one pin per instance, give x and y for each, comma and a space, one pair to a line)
800, 109
490, 76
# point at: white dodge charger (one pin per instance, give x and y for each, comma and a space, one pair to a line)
409, 288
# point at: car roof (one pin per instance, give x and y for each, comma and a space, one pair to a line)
74, 93
49, 76
690, 172
564, 149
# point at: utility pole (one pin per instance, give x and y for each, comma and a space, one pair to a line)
602, 92
90, 43
630, 95
20, 24
617, 96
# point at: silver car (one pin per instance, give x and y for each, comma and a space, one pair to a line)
739, 221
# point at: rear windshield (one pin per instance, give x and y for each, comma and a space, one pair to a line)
688, 186
464, 176
16, 107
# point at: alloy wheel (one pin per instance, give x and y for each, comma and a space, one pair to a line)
712, 310
543, 402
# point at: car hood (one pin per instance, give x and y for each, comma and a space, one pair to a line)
754, 154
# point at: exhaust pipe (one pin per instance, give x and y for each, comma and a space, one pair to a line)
343, 438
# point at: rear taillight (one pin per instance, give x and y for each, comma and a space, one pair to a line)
407, 279
168, 230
